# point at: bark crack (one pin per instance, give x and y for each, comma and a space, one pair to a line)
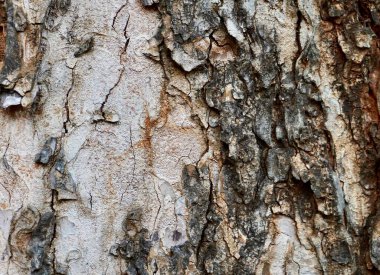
67, 106
159, 208
208, 221
134, 161
110, 92
121, 61
117, 14
298, 42
54, 231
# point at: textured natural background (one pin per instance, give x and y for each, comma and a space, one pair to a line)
190, 137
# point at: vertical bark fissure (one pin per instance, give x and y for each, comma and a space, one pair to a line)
67, 103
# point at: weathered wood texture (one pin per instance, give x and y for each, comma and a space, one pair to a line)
190, 137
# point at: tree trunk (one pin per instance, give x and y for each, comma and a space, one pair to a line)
189, 137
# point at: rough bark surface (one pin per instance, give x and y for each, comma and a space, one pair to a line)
190, 137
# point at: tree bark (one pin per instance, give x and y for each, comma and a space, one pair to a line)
189, 137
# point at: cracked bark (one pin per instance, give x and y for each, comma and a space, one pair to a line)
190, 137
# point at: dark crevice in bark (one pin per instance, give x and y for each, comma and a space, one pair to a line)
205, 227
52, 249
67, 106
102, 111
299, 46
117, 14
